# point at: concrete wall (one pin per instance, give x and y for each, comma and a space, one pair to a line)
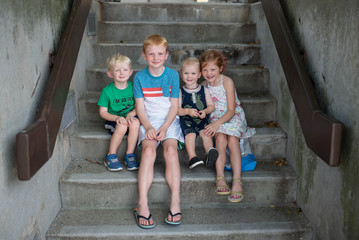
29, 32
326, 31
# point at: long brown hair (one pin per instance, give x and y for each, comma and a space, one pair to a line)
215, 56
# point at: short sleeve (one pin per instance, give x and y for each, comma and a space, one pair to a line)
175, 85
103, 99
137, 90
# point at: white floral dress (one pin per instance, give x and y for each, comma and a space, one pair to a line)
237, 125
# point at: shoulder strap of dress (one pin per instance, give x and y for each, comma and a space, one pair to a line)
221, 79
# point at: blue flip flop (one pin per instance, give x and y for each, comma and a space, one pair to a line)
173, 215
137, 216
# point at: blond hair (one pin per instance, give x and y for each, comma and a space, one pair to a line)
190, 61
157, 40
118, 58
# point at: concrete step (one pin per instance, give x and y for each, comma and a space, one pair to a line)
88, 184
236, 54
184, 32
92, 141
258, 109
212, 222
247, 79
175, 12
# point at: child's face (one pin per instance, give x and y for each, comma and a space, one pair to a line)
120, 72
190, 74
211, 72
155, 56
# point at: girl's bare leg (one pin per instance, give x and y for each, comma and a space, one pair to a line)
236, 162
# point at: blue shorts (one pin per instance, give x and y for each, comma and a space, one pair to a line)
111, 126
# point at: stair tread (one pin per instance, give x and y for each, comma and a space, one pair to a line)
177, 23
93, 171
214, 220
244, 69
187, 4
93, 97
173, 44
97, 131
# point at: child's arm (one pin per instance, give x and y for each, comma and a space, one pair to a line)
228, 85
172, 113
141, 113
210, 106
131, 115
111, 117
186, 111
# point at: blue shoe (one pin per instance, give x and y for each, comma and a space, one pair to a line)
112, 163
131, 162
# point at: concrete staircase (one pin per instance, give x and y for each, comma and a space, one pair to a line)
98, 204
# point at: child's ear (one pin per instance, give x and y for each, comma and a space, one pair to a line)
131, 72
143, 55
109, 74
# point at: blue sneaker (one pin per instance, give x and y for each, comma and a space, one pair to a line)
131, 162
112, 163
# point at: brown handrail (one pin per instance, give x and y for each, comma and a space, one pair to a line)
35, 144
322, 133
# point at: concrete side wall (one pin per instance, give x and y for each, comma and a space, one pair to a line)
326, 31
29, 32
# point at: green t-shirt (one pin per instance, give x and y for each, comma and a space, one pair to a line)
118, 102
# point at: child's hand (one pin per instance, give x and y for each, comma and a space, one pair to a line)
121, 120
131, 120
193, 112
161, 134
211, 129
151, 133
202, 114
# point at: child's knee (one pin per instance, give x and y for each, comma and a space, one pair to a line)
190, 136
170, 148
135, 125
120, 129
233, 141
148, 151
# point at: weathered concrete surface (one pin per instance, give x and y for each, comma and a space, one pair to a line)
200, 222
29, 32
326, 31
269, 184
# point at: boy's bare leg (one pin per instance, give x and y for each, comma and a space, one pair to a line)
132, 136
145, 178
207, 141
236, 161
116, 138
173, 176
221, 145
190, 142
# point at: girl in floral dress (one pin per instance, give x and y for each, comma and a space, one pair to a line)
228, 122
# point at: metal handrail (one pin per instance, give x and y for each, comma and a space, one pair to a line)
35, 144
322, 133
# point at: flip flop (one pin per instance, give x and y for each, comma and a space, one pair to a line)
173, 215
137, 216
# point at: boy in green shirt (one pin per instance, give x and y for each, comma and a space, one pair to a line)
117, 107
